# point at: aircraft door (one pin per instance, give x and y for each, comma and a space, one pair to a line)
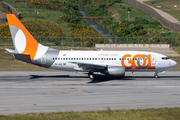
43, 59
153, 59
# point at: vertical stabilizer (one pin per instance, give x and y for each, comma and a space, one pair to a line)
23, 41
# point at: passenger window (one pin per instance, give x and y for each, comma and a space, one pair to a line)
109, 58
79, 58
104, 58
119, 58
114, 58
71, 58
53, 58
127, 58
98, 58
74, 58
84, 58
66, 58
122, 58
92, 58
87, 58
63, 58
95, 58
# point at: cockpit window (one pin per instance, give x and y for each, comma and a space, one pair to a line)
165, 58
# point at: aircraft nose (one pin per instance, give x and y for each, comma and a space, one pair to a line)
173, 63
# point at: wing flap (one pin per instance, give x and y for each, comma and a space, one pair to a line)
90, 66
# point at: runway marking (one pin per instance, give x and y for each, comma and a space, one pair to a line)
92, 99
58, 108
78, 90
50, 93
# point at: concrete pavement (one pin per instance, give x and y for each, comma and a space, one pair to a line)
57, 91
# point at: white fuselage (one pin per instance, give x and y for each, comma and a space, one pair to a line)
133, 60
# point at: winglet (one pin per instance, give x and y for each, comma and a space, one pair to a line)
23, 41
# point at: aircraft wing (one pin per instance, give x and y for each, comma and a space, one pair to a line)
90, 66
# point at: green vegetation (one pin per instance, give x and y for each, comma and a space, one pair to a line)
166, 6
137, 24
68, 18
98, 10
36, 28
147, 114
139, 17
177, 50
43, 14
177, 59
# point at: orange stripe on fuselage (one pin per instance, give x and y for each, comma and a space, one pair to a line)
31, 43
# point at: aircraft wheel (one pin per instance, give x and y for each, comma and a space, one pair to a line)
91, 75
156, 76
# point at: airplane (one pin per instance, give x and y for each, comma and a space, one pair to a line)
112, 63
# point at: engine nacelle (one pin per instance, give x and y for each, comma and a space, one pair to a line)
115, 71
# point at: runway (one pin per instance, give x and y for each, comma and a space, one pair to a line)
57, 91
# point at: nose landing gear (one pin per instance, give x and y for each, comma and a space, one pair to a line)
157, 72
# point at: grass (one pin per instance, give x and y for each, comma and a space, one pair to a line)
43, 14
147, 114
177, 50
133, 13
153, 30
177, 59
167, 6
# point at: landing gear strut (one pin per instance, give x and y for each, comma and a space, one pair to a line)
156, 75
91, 75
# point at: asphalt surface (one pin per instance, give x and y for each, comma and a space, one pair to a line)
57, 91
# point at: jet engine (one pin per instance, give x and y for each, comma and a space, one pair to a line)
114, 71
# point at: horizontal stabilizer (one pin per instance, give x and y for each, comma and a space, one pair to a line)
10, 51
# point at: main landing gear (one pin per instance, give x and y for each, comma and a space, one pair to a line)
91, 75
156, 75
